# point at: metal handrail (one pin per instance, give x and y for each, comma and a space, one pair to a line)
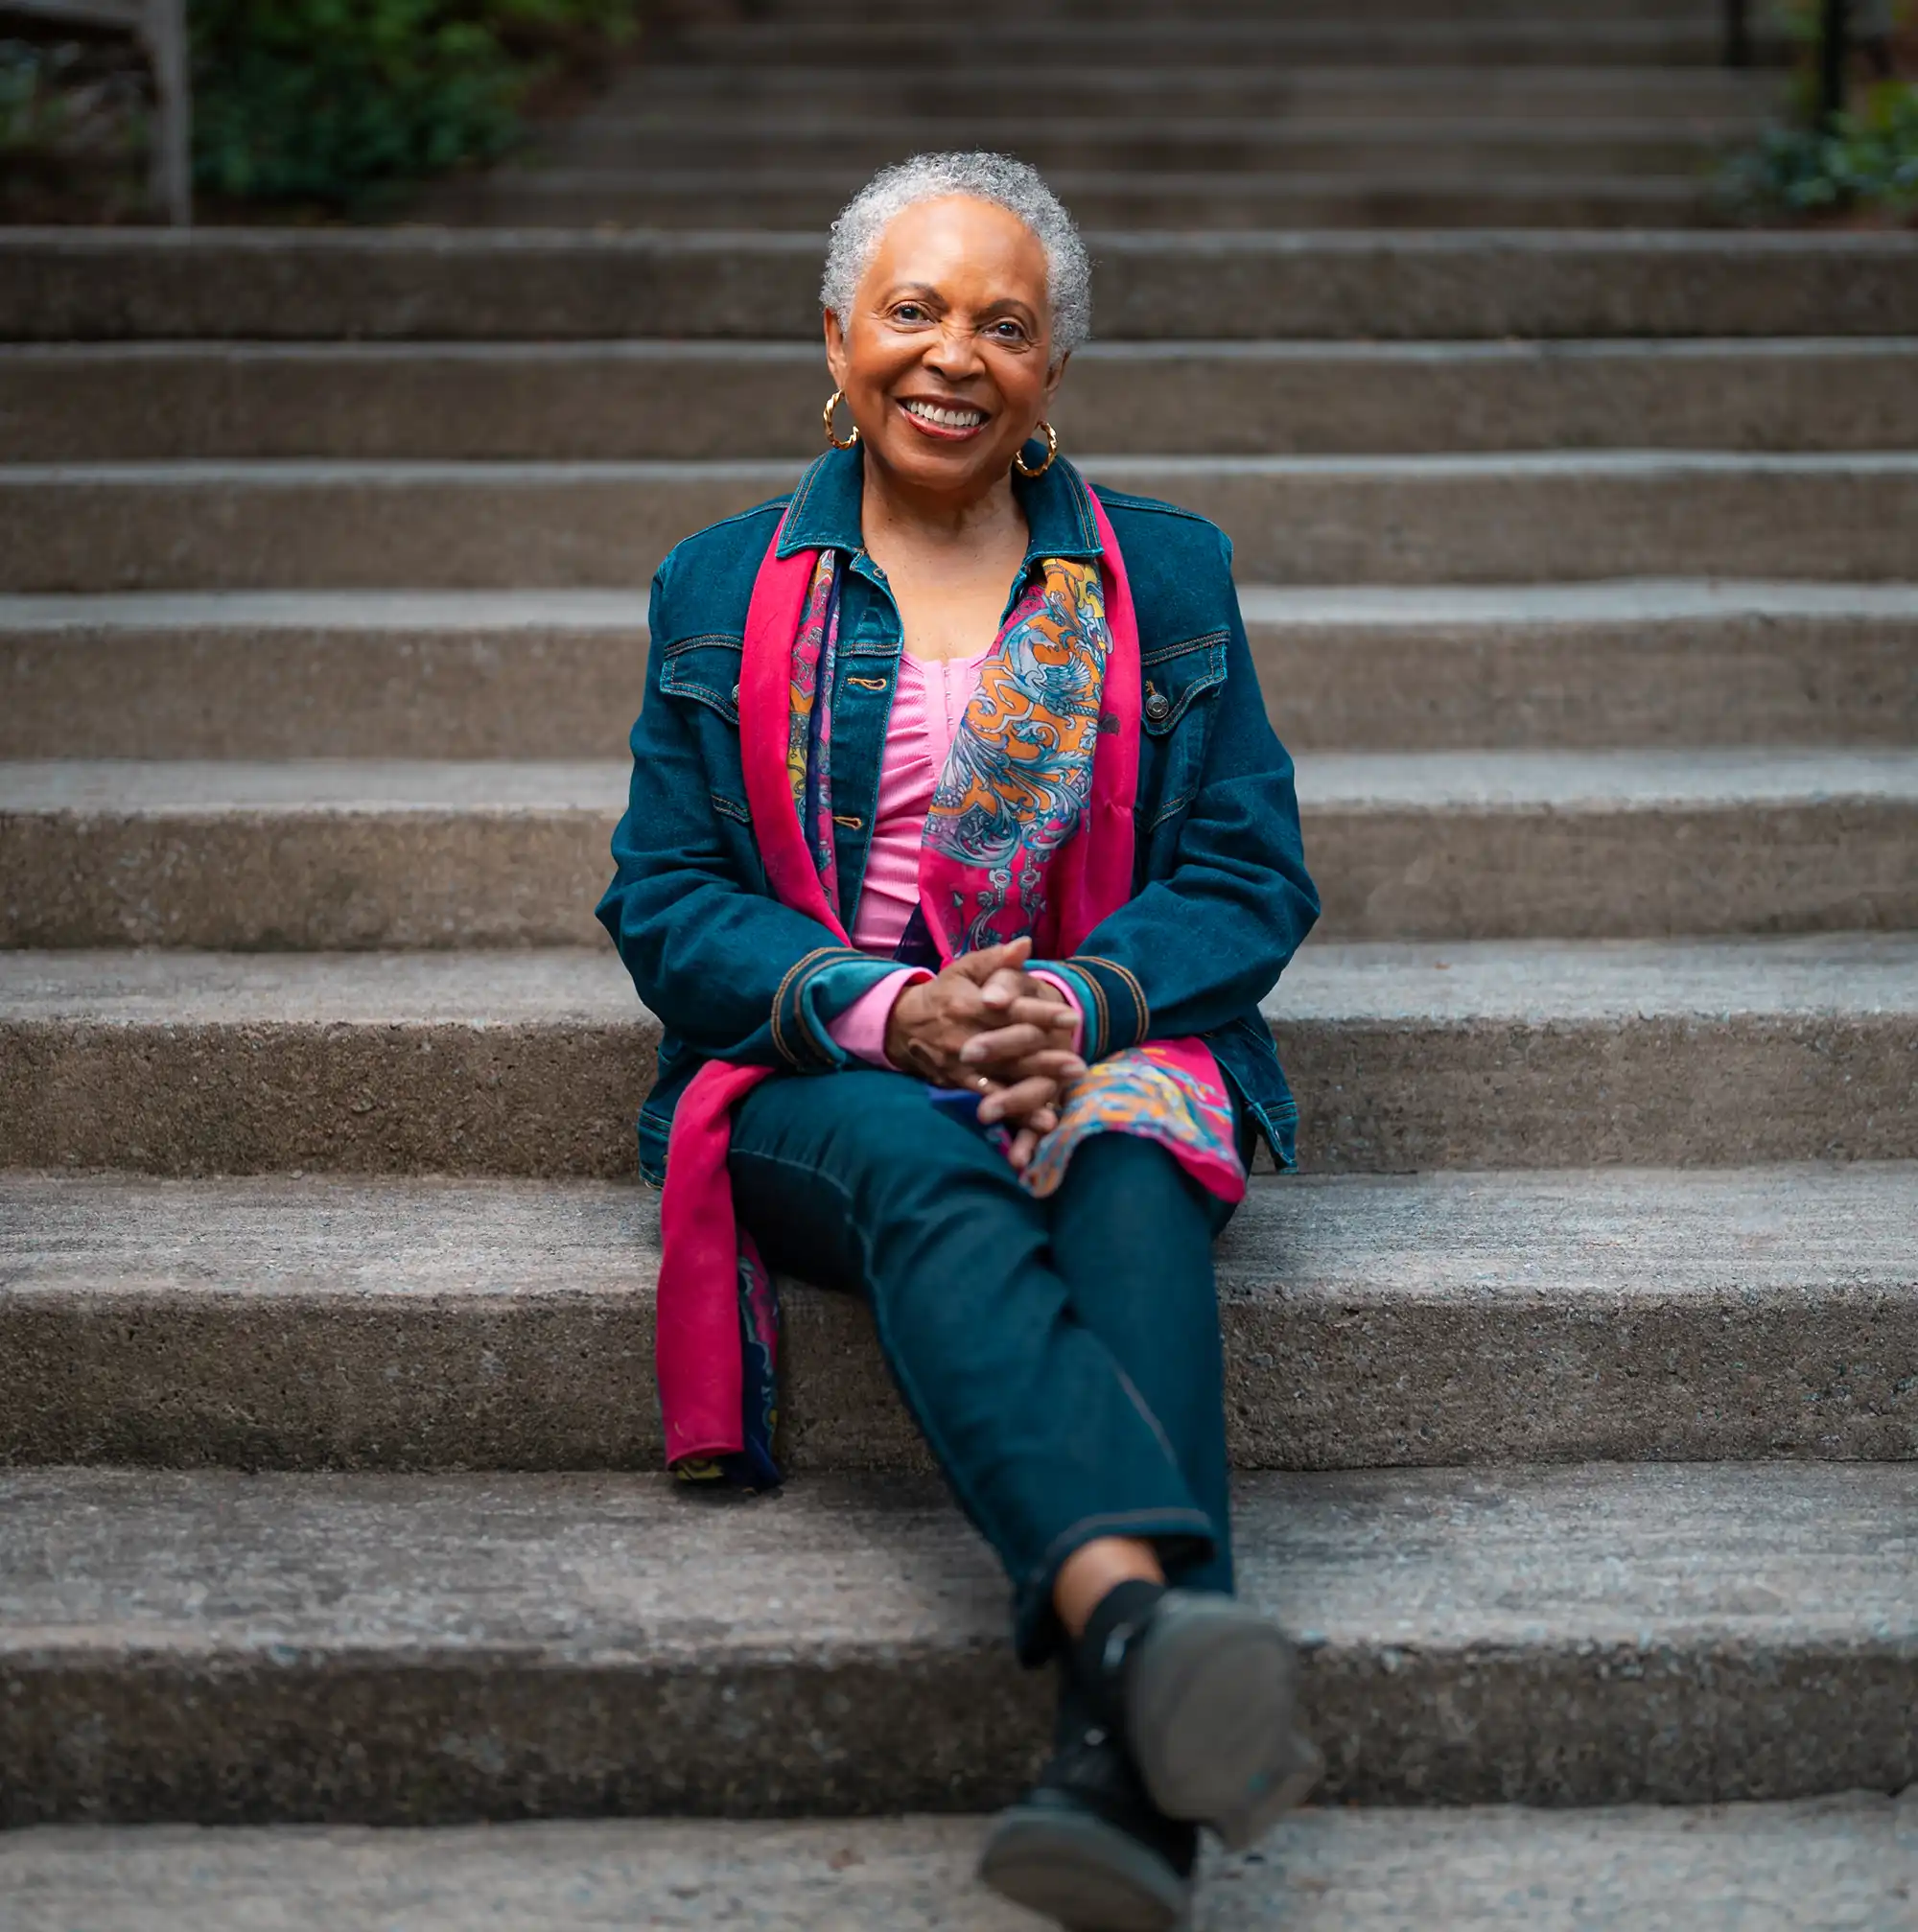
1737, 35
1835, 58
160, 25
1834, 50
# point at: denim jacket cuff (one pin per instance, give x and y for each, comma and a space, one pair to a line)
1111, 1000
817, 989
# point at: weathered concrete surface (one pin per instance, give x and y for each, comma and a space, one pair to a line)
66, 284
338, 854
1678, 662
1511, 845
1475, 1055
982, 86
866, 133
416, 1649
557, 674
1841, 1864
531, 1062
552, 674
1463, 197
158, 401
1443, 1318
324, 855
1175, 41
1140, 14
1743, 1045
1296, 520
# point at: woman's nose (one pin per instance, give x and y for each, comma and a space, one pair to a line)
953, 353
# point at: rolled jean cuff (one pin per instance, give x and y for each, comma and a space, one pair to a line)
1183, 1536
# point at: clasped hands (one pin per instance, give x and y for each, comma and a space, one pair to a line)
987, 1024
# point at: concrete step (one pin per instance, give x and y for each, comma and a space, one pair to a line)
1385, 17
1586, 665
1295, 87
332, 854
410, 1650
846, 137
1295, 519
1547, 39
1368, 1322
158, 401
317, 673
1739, 1867
1662, 1053
312, 285
554, 674
1438, 197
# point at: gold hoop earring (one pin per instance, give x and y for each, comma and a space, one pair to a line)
1051, 454
833, 402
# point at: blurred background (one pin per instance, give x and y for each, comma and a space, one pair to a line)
767, 113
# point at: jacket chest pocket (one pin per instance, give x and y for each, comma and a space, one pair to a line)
1175, 680
705, 670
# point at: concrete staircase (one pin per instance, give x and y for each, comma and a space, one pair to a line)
1574, 1387
1284, 113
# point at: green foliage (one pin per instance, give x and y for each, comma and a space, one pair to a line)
339, 103
73, 129
1867, 159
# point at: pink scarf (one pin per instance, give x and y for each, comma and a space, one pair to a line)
1015, 843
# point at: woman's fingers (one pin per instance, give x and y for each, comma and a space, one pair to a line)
1062, 1069
1019, 1101
1051, 1063
1003, 1043
979, 967
1013, 983
1028, 1027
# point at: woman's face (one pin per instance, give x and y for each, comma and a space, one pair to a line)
944, 364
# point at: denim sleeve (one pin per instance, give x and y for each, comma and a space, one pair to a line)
723, 963
1195, 948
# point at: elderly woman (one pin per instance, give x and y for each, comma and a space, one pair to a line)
959, 853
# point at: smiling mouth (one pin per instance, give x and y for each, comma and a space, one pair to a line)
945, 419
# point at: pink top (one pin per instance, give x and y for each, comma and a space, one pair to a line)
927, 705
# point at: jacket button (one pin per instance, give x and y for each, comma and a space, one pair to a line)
1159, 708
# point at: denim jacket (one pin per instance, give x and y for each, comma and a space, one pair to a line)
1221, 899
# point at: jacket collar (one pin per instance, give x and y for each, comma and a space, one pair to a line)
824, 510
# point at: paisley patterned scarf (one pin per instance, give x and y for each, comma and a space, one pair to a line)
1030, 833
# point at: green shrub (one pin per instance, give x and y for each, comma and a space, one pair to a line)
339, 103
1867, 159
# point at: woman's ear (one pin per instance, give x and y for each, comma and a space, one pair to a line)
835, 349
1053, 374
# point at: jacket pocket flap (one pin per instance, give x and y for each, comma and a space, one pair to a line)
707, 670
1172, 678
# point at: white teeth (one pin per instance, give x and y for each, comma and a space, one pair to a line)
946, 419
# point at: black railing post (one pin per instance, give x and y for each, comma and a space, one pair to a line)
1737, 35
1834, 59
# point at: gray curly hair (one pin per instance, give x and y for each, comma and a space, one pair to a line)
1013, 185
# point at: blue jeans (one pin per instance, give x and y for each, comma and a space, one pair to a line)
1061, 1357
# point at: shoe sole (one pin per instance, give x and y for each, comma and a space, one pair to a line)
1082, 1873
1211, 1701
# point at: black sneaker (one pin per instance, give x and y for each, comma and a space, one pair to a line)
1206, 1691
1085, 1846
